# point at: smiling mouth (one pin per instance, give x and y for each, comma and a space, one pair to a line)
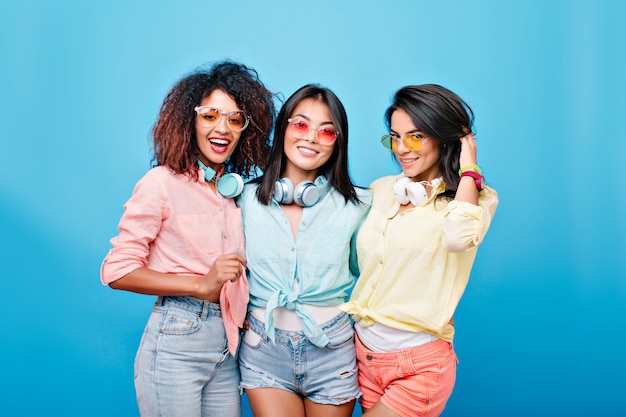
221, 143
307, 151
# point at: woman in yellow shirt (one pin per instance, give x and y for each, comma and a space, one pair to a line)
415, 253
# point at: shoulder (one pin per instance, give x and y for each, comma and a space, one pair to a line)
161, 179
157, 172
154, 188
249, 189
162, 173
364, 195
384, 182
248, 194
155, 177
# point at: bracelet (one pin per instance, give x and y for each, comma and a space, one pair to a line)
472, 167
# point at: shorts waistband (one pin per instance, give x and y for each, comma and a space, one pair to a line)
332, 326
202, 308
421, 352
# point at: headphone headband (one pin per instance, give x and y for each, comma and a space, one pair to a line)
406, 190
305, 194
229, 185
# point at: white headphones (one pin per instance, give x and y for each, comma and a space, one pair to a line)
228, 185
406, 190
305, 194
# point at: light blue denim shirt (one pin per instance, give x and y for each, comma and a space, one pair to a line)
319, 259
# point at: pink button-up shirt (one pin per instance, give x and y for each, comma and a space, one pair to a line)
175, 225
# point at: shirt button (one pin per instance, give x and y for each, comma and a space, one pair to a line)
225, 237
368, 357
293, 249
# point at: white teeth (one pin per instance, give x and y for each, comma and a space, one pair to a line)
219, 142
307, 150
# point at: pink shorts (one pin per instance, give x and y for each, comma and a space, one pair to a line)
410, 382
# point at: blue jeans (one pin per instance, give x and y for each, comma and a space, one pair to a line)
183, 367
326, 375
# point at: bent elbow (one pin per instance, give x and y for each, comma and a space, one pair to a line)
115, 285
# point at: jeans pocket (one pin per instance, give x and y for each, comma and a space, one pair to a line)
180, 322
449, 356
252, 339
341, 339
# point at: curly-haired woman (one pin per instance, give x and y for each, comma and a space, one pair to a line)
181, 239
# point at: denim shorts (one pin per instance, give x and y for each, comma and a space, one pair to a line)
183, 367
326, 375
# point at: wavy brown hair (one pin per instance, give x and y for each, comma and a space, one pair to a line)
174, 133
442, 115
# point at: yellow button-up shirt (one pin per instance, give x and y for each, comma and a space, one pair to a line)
414, 266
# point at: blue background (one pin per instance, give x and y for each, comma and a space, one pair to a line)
540, 330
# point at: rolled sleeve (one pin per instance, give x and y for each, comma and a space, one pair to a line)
138, 227
465, 224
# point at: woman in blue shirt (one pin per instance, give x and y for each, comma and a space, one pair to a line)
297, 357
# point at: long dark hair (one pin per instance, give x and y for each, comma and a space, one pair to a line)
335, 169
441, 115
174, 132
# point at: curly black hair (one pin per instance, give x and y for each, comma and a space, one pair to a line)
174, 132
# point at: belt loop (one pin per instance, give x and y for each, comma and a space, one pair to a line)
205, 310
159, 301
405, 360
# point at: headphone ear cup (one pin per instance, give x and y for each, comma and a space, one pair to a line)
230, 185
400, 190
283, 191
306, 194
417, 193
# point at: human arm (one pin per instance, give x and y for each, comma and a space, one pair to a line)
467, 190
144, 280
468, 217
365, 198
161, 248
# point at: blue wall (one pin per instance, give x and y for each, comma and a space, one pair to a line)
540, 330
